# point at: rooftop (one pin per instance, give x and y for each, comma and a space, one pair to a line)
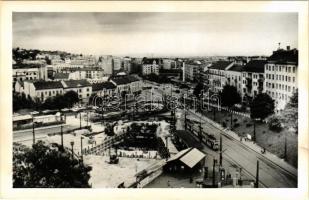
236, 68
121, 80
75, 83
150, 60
26, 65
61, 76
103, 85
220, 65
189, 157
45, 85
255, 66
282, 56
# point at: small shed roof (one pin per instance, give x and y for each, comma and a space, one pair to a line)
189, 157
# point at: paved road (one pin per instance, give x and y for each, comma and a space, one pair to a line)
42, 132
271, 174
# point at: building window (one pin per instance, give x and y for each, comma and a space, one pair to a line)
289, 79
293, 69
273, 77
49, 93
273, 68
276, 77
293, 79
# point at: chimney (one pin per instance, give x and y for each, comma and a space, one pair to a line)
288, 48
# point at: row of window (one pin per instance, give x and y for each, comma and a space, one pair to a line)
280, 87
255, 76
280, 77
278, 95
281, 68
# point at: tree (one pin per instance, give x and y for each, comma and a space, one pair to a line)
197, 90
44, 166
71, 98
261, 107
230, 97
290, 113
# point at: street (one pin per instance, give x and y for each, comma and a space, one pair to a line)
271, 174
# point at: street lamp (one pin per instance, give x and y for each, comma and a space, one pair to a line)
72, 144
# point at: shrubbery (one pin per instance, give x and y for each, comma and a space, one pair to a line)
274, 124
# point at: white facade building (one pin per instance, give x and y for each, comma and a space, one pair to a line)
281, 76
150, 66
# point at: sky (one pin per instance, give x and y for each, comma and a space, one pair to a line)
156, 34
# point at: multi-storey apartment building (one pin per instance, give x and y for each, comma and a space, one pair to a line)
192, 70
253, 79
234, 78
150, 66
169, 64
127, 65
281, 76
24, 72
217, 75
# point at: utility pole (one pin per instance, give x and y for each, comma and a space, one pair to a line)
254, 132
200, 130
186, 123
72, 144
33, 133
285, 148
81, 148
214, 173
61, 133
166, 139
80, 120
220, 150
102, 113
256, 185
231, 119
87, 118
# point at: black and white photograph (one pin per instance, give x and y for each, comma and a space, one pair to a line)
163, 99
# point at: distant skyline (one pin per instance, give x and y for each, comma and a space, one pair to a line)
157, 34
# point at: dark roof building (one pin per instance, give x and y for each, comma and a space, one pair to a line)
47, 85
255, 66
122, 80
282, 56
151, 60
103, 85
75, 83
220, 65
236, 68
26, 65
61, 76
